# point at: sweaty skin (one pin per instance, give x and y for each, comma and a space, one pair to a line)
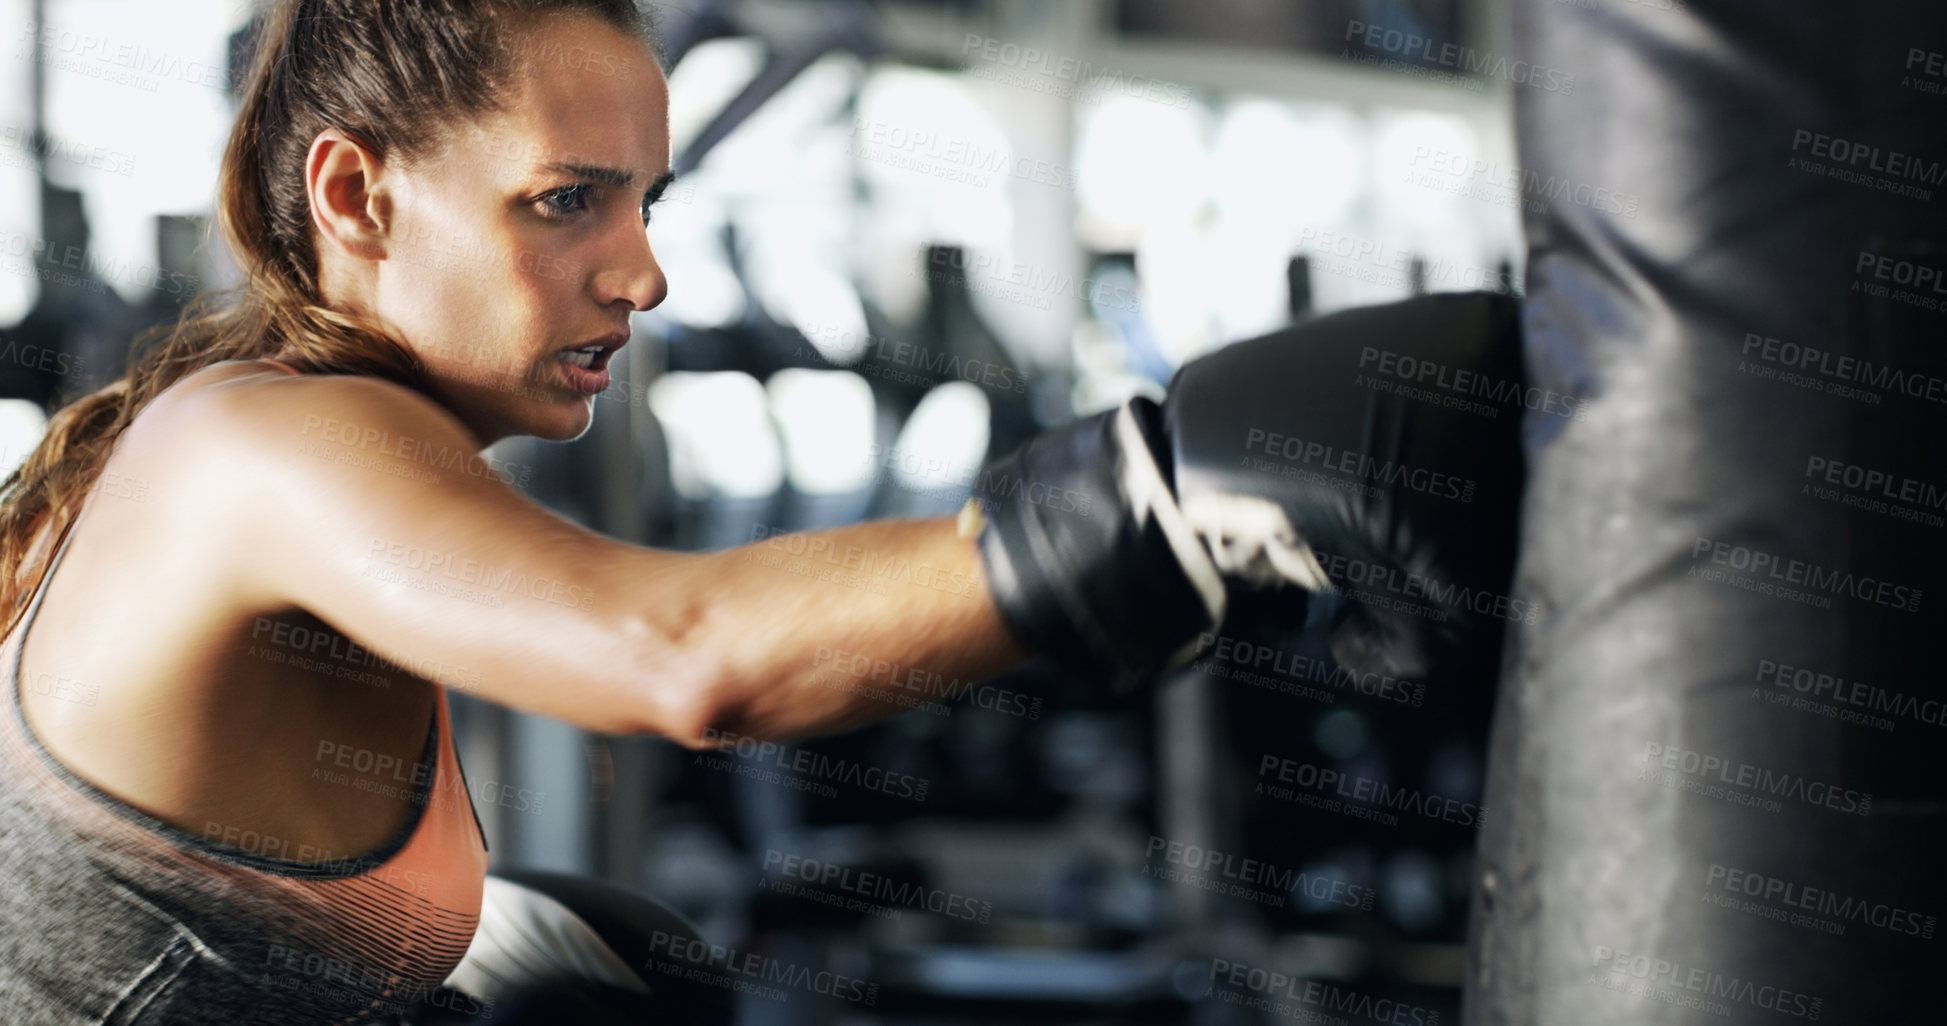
260, 540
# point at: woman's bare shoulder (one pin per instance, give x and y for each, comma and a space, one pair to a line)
233, 437
232, 375
247, 402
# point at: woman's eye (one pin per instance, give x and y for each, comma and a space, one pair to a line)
565, 201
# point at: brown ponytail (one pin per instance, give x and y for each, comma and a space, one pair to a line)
394, 73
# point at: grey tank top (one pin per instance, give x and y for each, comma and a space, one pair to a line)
110, 917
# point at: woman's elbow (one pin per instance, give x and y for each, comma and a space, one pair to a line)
693, 719
708, 706
678, 692
689, 670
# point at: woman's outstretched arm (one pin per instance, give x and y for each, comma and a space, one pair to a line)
364, 503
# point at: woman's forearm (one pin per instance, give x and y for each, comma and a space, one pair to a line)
819, 631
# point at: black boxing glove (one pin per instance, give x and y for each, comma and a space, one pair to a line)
1373, 454
1088, 558
1377, 448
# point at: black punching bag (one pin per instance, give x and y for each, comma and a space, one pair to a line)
1716, 776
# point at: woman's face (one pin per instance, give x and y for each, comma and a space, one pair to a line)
519, 248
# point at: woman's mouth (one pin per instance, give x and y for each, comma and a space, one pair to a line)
585, 358
585, 368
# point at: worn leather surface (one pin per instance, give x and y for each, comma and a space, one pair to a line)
1735, 221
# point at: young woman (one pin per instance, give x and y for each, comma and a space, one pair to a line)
441, 209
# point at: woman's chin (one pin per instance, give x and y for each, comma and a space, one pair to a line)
564, 422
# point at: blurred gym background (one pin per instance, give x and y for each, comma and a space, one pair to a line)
906, 235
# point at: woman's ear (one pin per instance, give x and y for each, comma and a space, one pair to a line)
349, 205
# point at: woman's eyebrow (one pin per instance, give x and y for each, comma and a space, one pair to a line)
616, 177
612, 176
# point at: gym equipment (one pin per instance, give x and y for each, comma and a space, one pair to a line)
1714, 776
651, 937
